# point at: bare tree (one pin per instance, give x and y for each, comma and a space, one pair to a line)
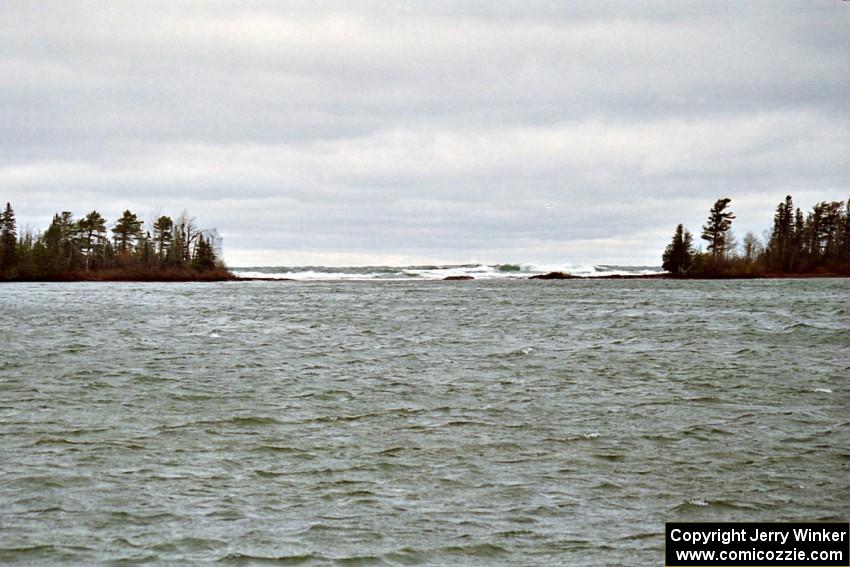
731, 240
752, 247
186, 234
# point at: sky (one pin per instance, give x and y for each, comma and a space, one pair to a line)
324, 132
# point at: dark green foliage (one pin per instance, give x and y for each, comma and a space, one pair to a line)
679, 255
144, 250
26, 262
50, 257
204, 255
162, 228
8, 244
783, 237
79, 249
92, 238
718, 225
818, 242
126, 231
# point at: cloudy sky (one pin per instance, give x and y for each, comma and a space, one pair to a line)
382, 132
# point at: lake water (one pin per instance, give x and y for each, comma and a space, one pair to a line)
439, 272
414, 423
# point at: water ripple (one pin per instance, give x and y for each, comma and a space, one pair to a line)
391, 423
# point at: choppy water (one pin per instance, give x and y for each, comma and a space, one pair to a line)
418, 423
477, 271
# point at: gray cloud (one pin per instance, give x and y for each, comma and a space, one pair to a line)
523, 131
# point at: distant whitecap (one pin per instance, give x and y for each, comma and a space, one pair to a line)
406, 273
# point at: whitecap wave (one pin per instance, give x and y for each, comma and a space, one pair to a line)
477, 271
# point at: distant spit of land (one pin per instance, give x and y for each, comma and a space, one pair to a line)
80, 249
564, 276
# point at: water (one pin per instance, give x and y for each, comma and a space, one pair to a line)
507, 422
407, 273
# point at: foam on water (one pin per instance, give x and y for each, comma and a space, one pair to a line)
401, 273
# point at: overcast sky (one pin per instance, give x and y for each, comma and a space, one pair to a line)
379, 132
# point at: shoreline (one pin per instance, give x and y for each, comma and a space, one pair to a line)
573, 278
231, 277
164, 276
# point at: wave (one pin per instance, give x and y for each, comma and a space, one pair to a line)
404, 273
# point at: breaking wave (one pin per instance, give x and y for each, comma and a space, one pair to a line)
427, 272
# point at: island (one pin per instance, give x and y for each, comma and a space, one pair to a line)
82, 250
813, 244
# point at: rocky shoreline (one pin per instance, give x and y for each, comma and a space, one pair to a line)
566, 276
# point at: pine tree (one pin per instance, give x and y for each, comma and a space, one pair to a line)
8, 243
26, 264
127, 231
830, 229
204, 255
69, 237
783, 235
92, 229
50, 256
144, 250
162, 228
679, 254
813, 233
714, 231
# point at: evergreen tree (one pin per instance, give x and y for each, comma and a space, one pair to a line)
679, 254
715, 230
783, 235
812, 230
26, 265
144, 250
127, 231
830, 229
8, 243
204, 255
68, 247
92, 229
51, 260
162, 228
69, 237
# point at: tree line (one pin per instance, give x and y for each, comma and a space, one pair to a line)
91, 248
816, 242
